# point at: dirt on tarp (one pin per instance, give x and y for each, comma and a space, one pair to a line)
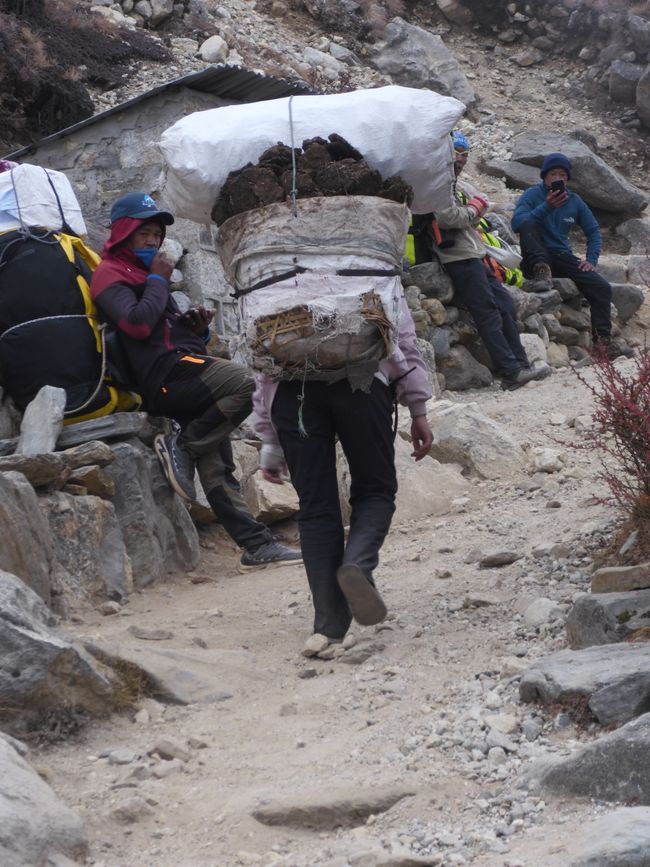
322, 168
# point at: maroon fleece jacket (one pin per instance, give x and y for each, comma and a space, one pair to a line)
140, 306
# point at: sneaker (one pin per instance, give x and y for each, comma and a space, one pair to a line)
510, 382
177, 465
273, 553
367, 606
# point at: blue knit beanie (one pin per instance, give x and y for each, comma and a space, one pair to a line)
555, 161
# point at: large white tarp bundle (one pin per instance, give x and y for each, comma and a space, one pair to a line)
35, 196
399, 130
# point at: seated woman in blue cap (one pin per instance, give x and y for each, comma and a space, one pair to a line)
208, 397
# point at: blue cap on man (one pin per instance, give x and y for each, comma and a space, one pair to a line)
460, 141
139, 206
555, 161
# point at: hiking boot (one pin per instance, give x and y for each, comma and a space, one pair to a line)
367, 606
612, 348
542, 279
177, 464
273, 553
509, 382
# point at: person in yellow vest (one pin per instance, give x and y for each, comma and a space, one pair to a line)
454, 237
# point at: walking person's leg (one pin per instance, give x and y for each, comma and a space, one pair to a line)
311, 461
364, 425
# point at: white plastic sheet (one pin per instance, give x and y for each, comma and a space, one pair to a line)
399, 130
27, 199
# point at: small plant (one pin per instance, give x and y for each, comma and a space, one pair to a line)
621, 432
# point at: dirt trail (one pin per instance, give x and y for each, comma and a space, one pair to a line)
404, 718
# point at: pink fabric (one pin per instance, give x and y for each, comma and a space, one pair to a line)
413, 389
7, 165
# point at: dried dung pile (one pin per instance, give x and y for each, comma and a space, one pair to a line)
323, 168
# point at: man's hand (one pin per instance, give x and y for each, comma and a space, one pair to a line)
584, 265
421, 437
161, 265
197, 319
272, 463
556, 198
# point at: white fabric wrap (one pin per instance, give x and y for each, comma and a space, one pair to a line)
399, 130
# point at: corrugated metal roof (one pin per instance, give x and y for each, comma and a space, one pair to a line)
225, 82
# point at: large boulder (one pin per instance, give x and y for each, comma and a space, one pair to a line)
415, 57
89, 548
43, 675
425, 489
616, 767
462, 371
35, 827
643, 97
596, 182
612, 681
607, 618
157, 529
27, 548
617, 839
623, 80
463, 435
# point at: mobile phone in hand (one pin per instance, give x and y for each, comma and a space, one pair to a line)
558, 187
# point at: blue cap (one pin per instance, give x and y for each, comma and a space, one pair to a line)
460, 141
139, 206
555, 161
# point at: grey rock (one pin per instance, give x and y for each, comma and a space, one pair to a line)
623, 80
184, 675
27, 549
498, 558
540, 611
36, 826
613, 681
597, 183
617, 839
44, 469
417, 58
120, 425
462, 434
131, 810
214, 49
89, 546
616, 768
639, 30
432, 281
156, 527
42, 672
517, 175
606, 618
637, 233
326, 810
168, 748
462, 371
42, 422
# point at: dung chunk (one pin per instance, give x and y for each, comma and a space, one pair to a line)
314, 156
244, 190
340, 149
397, 190
306, 186
278, 158
349, 178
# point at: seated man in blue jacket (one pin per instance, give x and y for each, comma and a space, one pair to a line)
543, 217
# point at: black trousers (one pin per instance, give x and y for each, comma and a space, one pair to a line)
591, 284
363, 423
493, 311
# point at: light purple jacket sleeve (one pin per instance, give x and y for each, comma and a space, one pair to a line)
405, 367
